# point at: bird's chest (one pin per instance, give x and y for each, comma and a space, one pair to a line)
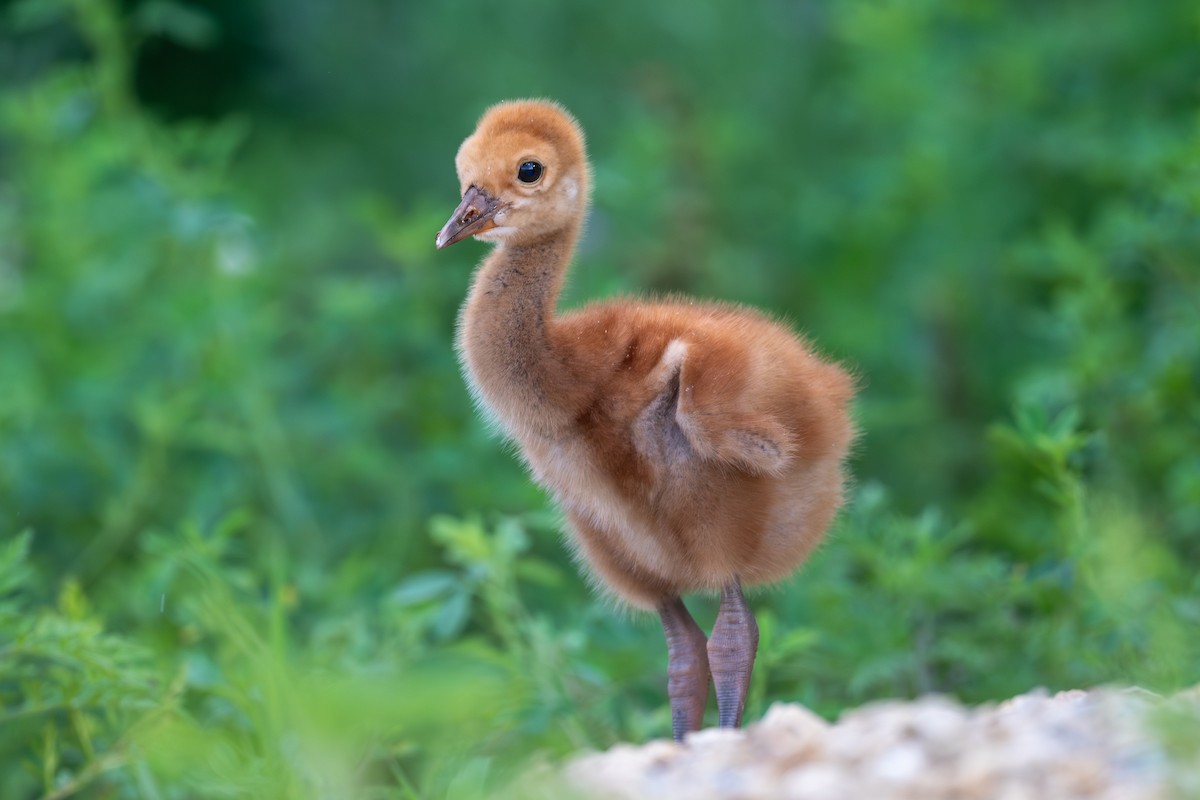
588, 466
607, 487
596, 451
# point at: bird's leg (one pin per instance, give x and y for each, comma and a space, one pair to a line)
731, 651
687, 667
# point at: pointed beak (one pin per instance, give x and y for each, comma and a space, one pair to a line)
473, 215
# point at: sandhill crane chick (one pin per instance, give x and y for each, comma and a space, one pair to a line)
693, 447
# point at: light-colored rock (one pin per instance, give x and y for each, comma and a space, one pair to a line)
817, 782
901, 764
1076, 745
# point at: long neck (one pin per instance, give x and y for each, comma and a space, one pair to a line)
506, 337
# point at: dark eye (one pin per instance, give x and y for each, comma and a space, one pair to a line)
529, 172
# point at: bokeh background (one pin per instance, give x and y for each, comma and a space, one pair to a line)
254, 541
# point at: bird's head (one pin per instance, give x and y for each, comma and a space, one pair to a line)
523, 174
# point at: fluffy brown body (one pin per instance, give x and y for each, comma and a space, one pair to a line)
693, 446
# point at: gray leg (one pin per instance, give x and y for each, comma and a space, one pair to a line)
731, 652
687, 667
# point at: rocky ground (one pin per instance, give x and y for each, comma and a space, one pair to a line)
1123, 744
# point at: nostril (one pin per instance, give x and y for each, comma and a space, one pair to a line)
469, 215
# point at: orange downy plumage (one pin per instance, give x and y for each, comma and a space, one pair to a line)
693, 446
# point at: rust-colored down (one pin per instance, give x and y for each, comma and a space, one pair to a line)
693, 446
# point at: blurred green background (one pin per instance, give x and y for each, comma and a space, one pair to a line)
254, 541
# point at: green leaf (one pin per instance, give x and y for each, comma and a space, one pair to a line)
540, 572
424, 586
14, 569
452, 616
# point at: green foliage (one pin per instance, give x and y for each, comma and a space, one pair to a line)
271, 549
72, 698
